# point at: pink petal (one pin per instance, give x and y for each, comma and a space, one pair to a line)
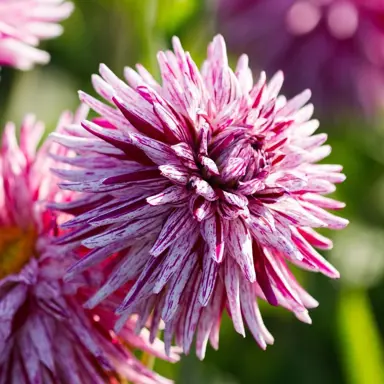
232, 286
213, 233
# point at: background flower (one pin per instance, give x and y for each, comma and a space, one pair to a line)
333, 47
46, 335
23, 23
208, 185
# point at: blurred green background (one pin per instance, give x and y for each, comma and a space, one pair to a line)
345, 343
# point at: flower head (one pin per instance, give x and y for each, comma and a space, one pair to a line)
46, 335
330, 46
23, 23
207, 185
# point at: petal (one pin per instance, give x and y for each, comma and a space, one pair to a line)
174, 194
177, 254
210, 272
239, 245
176, 287
252, 316
129, 268
232, 286
213, 233
178, 224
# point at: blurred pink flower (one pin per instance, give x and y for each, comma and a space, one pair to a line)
23, 23
46, 336
334, 47
208, 186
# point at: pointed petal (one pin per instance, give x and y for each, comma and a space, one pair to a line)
213, 233
232, 286
179, 223
210, 272
239, 245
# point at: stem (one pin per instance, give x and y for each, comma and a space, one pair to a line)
148, 360
149, 35
359, 338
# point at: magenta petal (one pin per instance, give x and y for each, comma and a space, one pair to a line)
140, 288
209, 276
181, 249
119, 142
263, 278
239, 243
137, 118
232, 286
177, 286
192, 314
170, 195
252, 316
176, 225
213, 234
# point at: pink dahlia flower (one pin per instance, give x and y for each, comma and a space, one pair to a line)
334, 47
46, 336
208, 186
23, 23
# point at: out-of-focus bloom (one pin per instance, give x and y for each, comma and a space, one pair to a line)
23, 23
334, 47
359, 254
46, 336
208, 183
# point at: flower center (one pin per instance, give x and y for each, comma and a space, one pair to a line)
16, 248
241, 160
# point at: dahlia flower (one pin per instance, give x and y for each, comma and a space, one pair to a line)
208, 186
46, 335
334, 47
23, 23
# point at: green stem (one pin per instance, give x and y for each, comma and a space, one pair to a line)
149, 35
148, 360
359, 337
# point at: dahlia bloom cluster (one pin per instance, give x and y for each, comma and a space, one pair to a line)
46, 336
207, 186
334, 47
23, 23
